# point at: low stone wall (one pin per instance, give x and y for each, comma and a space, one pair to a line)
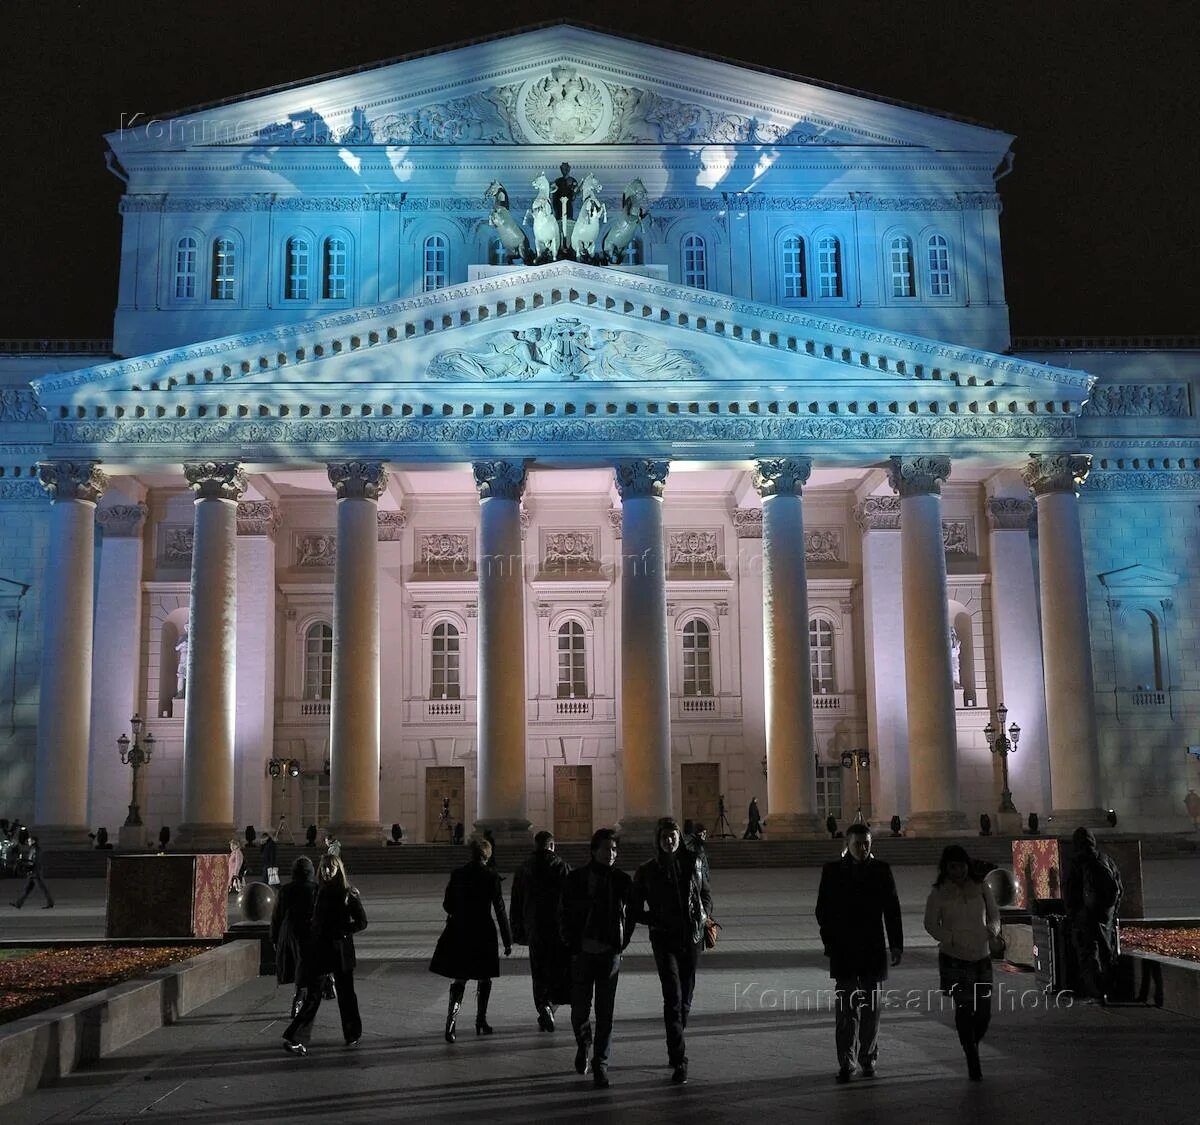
42, 1048
1166, 982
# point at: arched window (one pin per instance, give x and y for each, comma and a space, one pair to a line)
829, 267
695, 262
795, 284
434, 267
335, 269
820, 655
572, 674
186, 253
697, 658
1140, 639
444, 662
295, 286
938, 250
900, 265
318, 661
224, 269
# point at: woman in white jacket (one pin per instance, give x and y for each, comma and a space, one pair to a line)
961, 916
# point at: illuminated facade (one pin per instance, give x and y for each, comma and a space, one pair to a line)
580, 542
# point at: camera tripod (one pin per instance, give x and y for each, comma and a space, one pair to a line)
724, 828
282, 827
444, 822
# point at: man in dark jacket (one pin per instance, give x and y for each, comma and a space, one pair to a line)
596, 921
291, 921
29, 867
533, 911
1092, 894
856, 903
672, 896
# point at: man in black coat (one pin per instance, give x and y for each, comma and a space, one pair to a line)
596, 921
672, 897
533, 912
857, 902
291, 922
1092, 893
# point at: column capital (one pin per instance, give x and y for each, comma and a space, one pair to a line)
1008, 513
878, 513
216, 480
257, 517
781, 476
499, 480
747, 523
1056, 472
358, 480
918, 476
122, 521
72, 480
641, 478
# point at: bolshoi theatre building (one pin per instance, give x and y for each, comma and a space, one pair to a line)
562, 430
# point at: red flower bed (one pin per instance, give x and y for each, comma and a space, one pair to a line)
1163, 940
34, 980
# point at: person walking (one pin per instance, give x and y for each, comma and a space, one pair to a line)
857, 905
672, 896
1092, 893
338, 914
269, 853
596, 919
237, 861
961, 916
466, 949
29, 865
291, 922
753, 821
533, 912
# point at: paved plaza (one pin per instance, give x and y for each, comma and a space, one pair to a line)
760, 1039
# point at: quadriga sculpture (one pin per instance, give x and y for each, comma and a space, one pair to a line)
508, 230
546, 235
591, 214
633, 211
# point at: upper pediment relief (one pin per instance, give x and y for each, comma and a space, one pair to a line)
557, 86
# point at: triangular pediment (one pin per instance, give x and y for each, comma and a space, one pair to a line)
585, 360
559, 85
1139, 580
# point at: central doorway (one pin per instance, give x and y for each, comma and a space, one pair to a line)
701, 784
443, 783
573, 802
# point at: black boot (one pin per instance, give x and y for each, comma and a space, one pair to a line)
456, 995
482, 995
974, 1071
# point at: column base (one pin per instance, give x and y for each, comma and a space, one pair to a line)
509, 832
936, 824
203, 837
1008, 823
61, 837
795, 826
135, 838
359, 834
1065, 821
638, 829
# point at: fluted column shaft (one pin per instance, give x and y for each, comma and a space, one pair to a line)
501, 711
354, 710
929, 688
64, 705
645, 680
1066, 639
791, 773
210, 703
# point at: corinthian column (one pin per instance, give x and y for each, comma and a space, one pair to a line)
645, 683
1066, 638
354, 712
791, 775
929, 687
501, 732
65, 702
210, 704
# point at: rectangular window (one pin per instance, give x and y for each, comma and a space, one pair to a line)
224, 270
939, 267
829, 267
336, 269
185, 269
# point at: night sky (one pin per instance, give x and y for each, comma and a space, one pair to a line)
1101, 221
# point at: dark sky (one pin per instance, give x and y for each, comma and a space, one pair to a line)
1101, 222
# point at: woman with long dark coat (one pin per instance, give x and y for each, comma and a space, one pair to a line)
337, 915
291, 921
467, 948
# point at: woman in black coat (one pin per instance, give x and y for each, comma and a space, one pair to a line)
467, 948
291, 921
337, 915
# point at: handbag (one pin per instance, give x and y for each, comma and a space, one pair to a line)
712, 930
273, 876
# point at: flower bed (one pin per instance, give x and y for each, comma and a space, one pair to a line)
1180, 942
32, 980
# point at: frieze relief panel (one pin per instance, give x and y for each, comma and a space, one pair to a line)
175, 545
687, 550
824, 544
1138, 400
314, 549
958, 537
444, 552
574, 549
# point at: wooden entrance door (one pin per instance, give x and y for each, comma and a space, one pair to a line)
573, 802
441, 783
701, 783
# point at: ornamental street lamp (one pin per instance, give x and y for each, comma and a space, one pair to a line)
1003, 743
135, 755
857, 760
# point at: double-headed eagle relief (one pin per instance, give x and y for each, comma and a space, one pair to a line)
566, 216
